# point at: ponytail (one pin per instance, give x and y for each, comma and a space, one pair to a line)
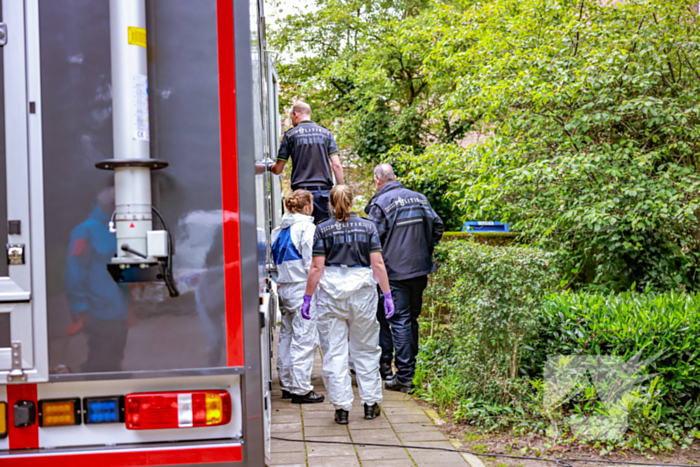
298, 200
341, 201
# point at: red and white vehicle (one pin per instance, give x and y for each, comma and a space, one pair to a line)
136, 302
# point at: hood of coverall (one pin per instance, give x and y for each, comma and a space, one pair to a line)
290, 219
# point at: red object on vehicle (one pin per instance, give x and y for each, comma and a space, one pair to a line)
177, 409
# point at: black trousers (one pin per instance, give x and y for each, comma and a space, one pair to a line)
321, 209
321, 199
398, 336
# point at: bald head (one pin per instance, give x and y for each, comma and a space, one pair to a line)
383, 174
300, 111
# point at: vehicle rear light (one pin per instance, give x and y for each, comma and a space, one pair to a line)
3, 420
103, 410
178, 409
59, 412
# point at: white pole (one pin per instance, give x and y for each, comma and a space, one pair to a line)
130, 125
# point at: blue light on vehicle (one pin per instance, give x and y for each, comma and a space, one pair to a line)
103, 410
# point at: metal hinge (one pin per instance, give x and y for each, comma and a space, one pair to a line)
17, 374
3, 34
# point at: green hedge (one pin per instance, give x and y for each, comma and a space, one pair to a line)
490, 238
491, 295
662, 328
494, 317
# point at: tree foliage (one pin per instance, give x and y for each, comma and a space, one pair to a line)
594, 114
589, 114
356, 64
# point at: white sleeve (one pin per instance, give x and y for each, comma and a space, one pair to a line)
273, 235
307, 245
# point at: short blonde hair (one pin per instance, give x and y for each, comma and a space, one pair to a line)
302, 108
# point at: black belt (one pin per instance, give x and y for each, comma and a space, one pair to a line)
312, 188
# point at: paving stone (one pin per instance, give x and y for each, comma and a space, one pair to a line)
331, 450
388, 463
284, 410
419, 418
385, 436
286, 446
362, 424
287, 458
399, 403
403, 410
286, 427
431, 458
396, 396
410, 437
385, 454
291, 418
326, 420
344, 461
318, 407
318, 431
317, 414
408, 427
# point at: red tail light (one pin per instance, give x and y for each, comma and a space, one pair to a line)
177, 409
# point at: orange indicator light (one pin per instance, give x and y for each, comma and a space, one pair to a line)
3, 420
59, 412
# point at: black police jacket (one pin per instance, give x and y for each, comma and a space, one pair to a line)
408, 229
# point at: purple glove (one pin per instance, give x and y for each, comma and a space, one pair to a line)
388, 305
305, 307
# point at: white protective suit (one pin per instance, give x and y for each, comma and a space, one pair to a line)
298, 339
347, 303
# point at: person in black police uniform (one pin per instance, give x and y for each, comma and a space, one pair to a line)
314, 156
408, 229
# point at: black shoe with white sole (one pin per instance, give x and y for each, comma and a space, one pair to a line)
385, 371
395, 385
341, 417
308, 398
372, 411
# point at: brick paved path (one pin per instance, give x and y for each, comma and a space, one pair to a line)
402, 422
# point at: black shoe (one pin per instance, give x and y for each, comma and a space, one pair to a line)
385, 371
286, 394
341, 417
309, 398
372, 411
395, 385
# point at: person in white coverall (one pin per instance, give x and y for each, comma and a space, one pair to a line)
347, 265
292, 243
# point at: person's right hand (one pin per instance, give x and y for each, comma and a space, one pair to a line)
306, 307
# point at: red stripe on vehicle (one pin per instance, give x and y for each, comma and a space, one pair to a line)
189, 456
26, 437
229, 184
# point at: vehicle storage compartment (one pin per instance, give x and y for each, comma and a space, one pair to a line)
95, 324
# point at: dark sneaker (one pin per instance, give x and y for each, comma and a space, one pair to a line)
372, 411
395, 385
309, 398
385, 371
341, 417
286, 394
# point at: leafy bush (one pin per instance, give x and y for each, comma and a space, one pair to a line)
493, 323
593, 111
663, 329
492, 295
